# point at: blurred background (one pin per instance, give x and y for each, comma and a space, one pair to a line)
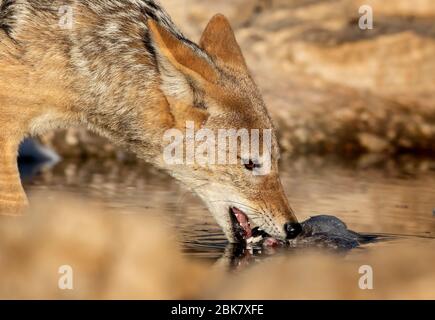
330, 86
356, 116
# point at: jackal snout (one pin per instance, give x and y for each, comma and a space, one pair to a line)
281, 221
245, 205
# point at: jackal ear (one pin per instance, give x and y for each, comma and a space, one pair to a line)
179, 63
219, 41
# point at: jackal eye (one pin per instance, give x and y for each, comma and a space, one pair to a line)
251, 165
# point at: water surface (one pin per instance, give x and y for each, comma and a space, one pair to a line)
372, 195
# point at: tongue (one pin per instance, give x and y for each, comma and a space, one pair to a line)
244, 222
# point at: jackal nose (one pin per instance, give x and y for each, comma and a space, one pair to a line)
292, 230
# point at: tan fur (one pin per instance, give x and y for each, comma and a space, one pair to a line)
219, 41
180, 55
126, 72
12, 198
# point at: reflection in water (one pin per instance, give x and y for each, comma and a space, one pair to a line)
33, 158
371, 195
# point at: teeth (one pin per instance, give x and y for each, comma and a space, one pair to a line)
257, 232
254, 239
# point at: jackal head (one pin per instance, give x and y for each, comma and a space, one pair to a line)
210, 87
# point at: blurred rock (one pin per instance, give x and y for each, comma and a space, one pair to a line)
421, 8
111, 255
31, 151
398, 273
134, 256
33, 158
335, 88
80, 143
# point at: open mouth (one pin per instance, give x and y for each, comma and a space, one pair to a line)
245, 231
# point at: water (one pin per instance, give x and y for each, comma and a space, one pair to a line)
372, 195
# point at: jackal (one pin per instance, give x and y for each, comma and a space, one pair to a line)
124, 70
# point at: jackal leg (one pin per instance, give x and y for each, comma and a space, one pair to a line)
12, 197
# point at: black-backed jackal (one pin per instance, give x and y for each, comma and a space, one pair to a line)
124, 70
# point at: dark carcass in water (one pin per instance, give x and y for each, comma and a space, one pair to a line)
318, 231
329, 231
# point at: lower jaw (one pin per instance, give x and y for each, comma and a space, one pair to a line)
250, 237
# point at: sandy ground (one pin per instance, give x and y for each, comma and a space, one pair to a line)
136, 257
